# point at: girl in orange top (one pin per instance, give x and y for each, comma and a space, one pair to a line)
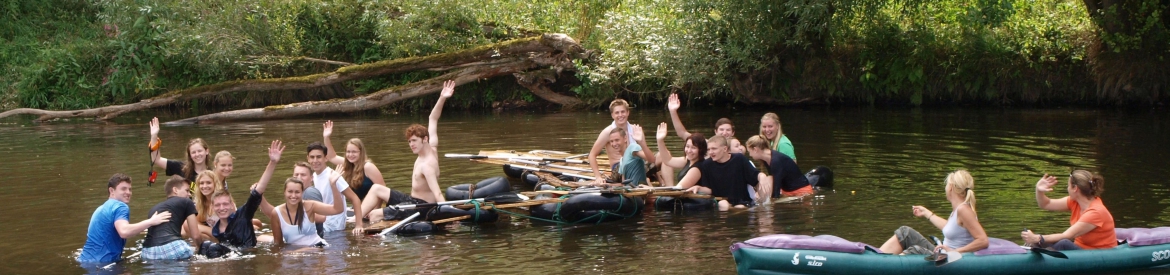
1091, 224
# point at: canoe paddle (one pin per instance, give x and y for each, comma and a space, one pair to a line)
470, 156
554, 173
399, 224
413, 206
1050, 253
941, 258
578, 169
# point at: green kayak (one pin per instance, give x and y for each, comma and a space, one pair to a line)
1140, 248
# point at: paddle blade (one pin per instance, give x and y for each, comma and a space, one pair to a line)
1050, 253
508, 197
465, 156
952, 256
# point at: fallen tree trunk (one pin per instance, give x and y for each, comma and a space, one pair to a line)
537, 82
364, 102
550, 45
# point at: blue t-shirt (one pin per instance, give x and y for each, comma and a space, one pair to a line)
633, 168
102, 242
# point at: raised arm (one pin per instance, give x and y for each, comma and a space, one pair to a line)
331, 155
663, 155
920, 211
640, 137
598, 147
127, 230
673, 104
433, 122
1044, 185
274, 152
155, 157
319, 208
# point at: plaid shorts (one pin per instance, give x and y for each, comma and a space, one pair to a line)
176, 250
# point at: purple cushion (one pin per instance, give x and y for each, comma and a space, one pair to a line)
1144, 236
997, 246
786, 241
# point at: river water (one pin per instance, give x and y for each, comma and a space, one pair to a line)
885, 161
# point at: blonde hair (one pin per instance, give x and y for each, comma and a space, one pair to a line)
962, 180
779, 132
354, 172
203, 203
757, 142
619, 102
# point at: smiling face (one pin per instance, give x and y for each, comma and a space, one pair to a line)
197, 152
316, 160
691, 152
121, 192
292, 192
725, 130
223, 206
224, 166
768, 128
617, 141
206, 185
352, 153
620, 115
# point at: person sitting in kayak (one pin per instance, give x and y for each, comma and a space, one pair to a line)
961, 230
632, 166
1091, 223
785, 179
724, 175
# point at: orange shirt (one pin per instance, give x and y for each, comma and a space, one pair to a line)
1101, 237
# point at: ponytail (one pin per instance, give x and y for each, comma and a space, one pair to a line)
962, 180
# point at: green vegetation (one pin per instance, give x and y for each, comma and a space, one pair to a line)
62, 54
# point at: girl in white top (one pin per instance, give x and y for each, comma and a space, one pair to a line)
294, 228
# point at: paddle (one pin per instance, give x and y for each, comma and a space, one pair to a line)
941, 259
554, 173
413, 206
470, 156
399, 224
579, 169
1050, 253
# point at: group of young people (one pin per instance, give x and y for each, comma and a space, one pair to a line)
1090, 223
717, 166
199, 205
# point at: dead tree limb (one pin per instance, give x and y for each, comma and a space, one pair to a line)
555, 44
537, 81
369, 101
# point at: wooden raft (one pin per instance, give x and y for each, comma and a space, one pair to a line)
629, 193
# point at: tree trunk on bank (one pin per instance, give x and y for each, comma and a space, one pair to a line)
508, 57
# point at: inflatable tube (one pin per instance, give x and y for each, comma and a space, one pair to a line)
820, 178
666, 203
477, 215
483, 189
529, 178
589, 207
512, 172
416, 228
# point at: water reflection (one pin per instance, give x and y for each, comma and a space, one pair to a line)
884, 160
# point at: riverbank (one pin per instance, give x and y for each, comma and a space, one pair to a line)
61, 54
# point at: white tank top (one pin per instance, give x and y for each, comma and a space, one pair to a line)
306, 235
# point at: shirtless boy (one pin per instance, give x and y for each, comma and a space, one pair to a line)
424, 180
619, 110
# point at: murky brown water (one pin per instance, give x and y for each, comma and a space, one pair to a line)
885, 161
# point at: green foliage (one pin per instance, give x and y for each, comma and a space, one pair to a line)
75, 54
